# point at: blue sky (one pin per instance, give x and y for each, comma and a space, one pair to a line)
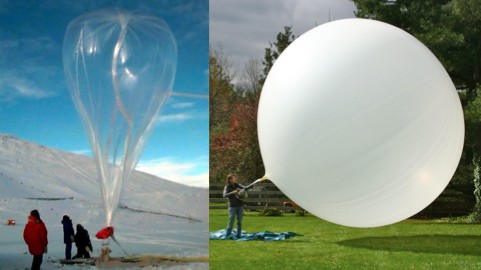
35, 104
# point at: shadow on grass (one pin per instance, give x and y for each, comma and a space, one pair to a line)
438, 244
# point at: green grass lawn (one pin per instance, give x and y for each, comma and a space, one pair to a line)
409, 244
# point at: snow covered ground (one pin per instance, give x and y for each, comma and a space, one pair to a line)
155, 216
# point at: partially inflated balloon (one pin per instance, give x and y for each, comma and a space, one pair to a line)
120, 68
360, 124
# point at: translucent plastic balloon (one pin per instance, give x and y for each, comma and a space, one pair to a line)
120, 68
360, 124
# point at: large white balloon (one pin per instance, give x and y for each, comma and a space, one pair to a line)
360, 124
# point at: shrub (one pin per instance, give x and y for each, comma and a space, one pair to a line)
301, 212
271, 211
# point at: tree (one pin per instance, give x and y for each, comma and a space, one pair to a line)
251, 79
234, 146
449, 28
472, 115
275, 49
237, 151
221, 99
221, 91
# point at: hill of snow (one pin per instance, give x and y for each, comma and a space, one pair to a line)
156, 216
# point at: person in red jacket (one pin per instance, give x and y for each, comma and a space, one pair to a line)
35, 236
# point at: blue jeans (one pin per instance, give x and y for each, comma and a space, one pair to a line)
236, 211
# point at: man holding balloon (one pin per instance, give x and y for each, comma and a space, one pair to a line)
236, 193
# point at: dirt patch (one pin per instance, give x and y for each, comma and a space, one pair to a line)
149, 260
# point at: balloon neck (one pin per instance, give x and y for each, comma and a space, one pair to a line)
265, 177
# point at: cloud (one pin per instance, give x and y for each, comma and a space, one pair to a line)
174, 117
244, 28
83, 152
13, 88
33, 74
182, 105
179, 111
191, 95
195, 26
187, 173
23, 89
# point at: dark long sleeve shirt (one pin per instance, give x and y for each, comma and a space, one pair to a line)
234, 201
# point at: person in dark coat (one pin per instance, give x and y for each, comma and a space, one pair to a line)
35, 236
82, 241
68, 236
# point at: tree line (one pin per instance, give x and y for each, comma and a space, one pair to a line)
234, 147
451, 29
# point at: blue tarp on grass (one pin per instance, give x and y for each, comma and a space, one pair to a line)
262, 236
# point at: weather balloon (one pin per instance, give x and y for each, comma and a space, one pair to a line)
360, 124
119, 68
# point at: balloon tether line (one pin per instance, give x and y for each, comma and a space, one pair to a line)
115, 240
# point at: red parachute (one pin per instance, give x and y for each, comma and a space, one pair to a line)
105, 233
